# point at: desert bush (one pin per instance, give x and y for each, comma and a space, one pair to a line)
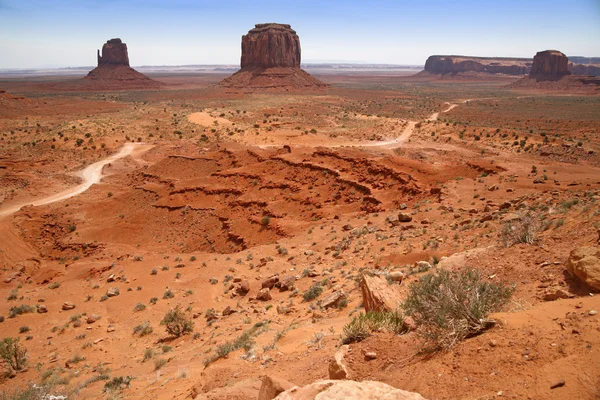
176, 323
143, 329
364, 324
168, 294
245, 341
13, 353
159, 363
523, 229
139, 307
148, 354
117, 383
313, 292
18, 310
452, 306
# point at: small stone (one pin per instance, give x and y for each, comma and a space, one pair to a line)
228, 311
558, 384
42, 309
370, 355
396, 276
493, 343
403, 206
68, 305
112, 292
110, 328
347, 227
592, 312
403, 217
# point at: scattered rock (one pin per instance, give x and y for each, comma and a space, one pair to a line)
92, 318
264, 294
287, 283
584, 263
557, 295
228, 311
396, 276
68, 305
338, 368
270, 282
403, 217
42, 309
272, 386
347, 227
378, 295
112, 292
243, 288
370, 355
403, 206
335, 299
347, 390
558, 384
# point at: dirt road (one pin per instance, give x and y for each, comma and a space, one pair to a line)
91, 174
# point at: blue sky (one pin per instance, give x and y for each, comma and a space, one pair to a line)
63, 33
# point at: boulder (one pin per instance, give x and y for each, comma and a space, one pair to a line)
338, 368
347, 390
112, 292
42, 309
272, 386
264, 294
243, 288
396, 276
378, 295
404, 217
584, 263
270, 282
287, 283
335, 299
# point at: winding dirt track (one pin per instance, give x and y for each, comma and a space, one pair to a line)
91, 174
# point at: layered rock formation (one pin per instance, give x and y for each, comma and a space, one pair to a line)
585, 69
550, 64
461, 64
114, 52
113, 70
271, 46
550, 71
271, 60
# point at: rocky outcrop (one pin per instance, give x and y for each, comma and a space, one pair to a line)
271, 387
348, 390
584, 263
113, 70
550, 64
271, 60
378, 295
271, 46
338, 367
460, 64
114, 52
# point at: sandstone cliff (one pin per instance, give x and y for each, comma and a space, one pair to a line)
114, 52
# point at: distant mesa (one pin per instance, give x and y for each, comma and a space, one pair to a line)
550, 71
271, 60
113, 70
463, 64
550, 64
448, 67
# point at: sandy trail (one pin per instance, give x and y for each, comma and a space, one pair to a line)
91, 174
387, 144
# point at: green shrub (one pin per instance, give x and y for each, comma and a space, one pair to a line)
313, 292
13, 353
176, 323
143, 329
452, 306
18, 310
364, 324
139, 307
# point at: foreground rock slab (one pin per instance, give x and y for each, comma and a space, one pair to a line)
348, 390
584, 263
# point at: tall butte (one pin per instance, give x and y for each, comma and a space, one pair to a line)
549, 64
113, 69
271, 60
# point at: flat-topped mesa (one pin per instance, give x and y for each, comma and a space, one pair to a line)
550, 63
114, 52
271, 61
271, 46
492, 65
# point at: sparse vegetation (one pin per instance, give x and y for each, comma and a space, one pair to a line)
451, 306
13, 354
176, 323
364, 324
523, 229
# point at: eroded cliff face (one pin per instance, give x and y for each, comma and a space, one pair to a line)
457, 64
271, 46
585, 69
550, 63
114, 52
